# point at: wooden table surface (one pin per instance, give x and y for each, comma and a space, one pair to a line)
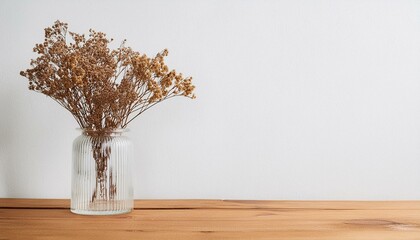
215, 219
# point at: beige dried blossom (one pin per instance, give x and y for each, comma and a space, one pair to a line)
103, 89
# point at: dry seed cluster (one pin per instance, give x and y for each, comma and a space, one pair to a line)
103, 89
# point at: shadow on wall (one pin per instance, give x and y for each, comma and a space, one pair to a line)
6, 137
10, 109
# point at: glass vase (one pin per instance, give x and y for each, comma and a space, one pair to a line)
101, 173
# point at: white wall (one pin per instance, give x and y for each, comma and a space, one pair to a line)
296, 99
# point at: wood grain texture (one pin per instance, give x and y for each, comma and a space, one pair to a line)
215, 219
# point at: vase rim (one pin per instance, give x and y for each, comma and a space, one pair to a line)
115, 130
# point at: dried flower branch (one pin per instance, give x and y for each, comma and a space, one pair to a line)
103, 89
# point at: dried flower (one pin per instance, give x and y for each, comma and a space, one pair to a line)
103, 89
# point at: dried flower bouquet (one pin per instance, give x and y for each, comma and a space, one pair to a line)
103, 89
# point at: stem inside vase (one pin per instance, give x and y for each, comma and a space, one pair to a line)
105, 187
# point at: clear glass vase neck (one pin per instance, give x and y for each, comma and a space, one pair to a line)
103, 132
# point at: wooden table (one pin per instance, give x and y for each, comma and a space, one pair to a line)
214, 219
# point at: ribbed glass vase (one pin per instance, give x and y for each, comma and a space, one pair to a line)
101, 173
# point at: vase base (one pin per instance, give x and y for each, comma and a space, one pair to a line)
102, 207
107, 212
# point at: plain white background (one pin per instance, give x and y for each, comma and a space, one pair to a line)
296, 99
